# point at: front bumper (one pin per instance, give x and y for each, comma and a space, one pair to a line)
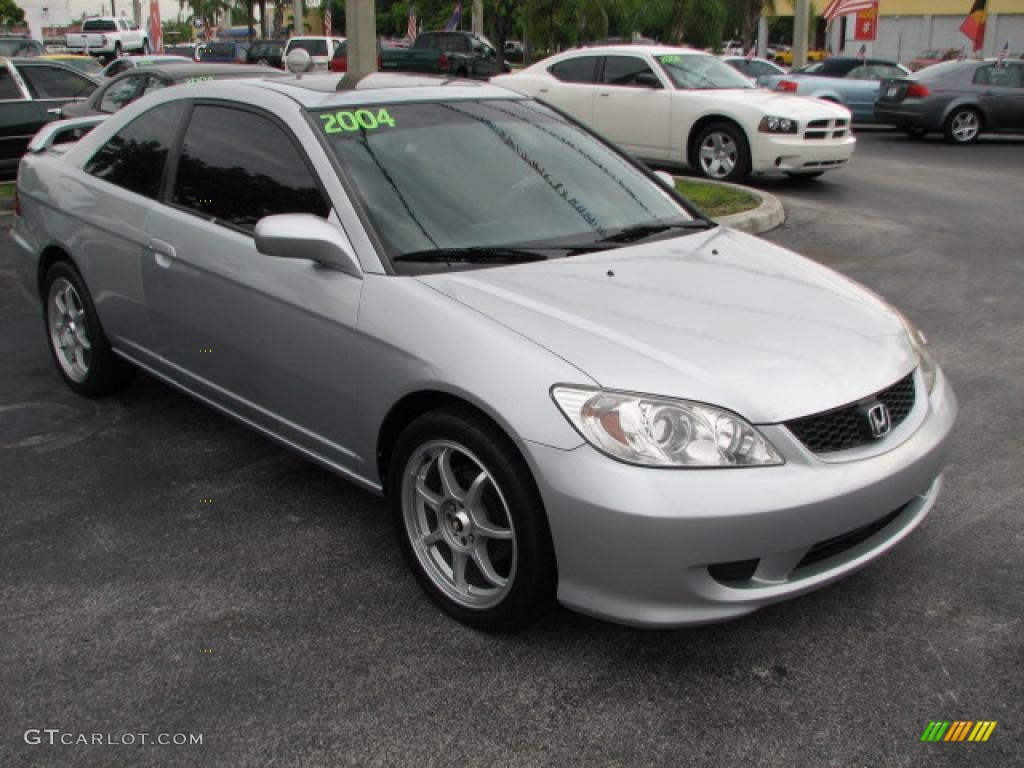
634, 545
793, 154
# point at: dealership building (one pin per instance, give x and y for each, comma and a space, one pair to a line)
907, 27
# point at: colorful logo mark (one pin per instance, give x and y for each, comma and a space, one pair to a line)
958, 730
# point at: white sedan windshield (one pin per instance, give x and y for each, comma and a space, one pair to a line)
695, 72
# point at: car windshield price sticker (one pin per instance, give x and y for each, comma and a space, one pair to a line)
348, 121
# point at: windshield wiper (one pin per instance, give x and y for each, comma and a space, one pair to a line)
475, 255
640, 231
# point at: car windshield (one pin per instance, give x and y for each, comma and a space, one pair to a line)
695, 72
20, 48
487, 175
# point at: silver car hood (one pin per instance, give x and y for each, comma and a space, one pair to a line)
718, 317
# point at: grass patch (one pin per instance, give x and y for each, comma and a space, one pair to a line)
716, 200
6, 190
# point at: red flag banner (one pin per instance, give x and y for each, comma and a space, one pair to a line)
974, 25
867, 24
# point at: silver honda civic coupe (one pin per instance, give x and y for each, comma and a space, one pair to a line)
566, 380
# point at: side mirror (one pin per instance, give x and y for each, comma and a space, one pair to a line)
647, 80
305, 236
666, 179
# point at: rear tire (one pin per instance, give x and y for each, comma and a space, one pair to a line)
76, 340
461, 72
470, 521
963, 125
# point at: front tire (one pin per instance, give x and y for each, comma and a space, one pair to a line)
117, 50
470, 521
77, 342
963, 125
722, 153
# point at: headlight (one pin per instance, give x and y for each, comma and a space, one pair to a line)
924, 358
659, 432
772, 124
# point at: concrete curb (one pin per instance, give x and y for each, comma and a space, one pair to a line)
767, 216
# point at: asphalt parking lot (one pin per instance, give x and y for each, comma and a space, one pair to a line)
164, 570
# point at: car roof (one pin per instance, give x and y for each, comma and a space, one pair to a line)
181, 72
650, 50
316, 91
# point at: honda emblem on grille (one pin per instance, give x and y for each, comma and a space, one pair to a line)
880, 420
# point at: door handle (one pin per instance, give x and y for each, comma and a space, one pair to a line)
164, 252
542, 90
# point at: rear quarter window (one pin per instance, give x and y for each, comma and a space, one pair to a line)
581, 69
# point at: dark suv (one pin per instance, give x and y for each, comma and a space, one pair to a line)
268, 53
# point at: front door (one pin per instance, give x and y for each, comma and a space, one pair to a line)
270, 339
633, 107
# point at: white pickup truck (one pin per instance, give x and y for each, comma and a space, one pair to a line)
108, 36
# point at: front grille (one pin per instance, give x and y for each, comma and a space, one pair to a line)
848, 427
823, 550
826, 129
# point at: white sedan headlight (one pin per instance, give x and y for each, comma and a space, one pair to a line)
773, 124
658, 432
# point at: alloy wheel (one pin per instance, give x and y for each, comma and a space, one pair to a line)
69, 332
718, 155
459, 524
965, 126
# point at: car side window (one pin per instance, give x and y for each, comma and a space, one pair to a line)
153, 83
1001, 76
55, 82
134, 158
581, 69
237, 166
629, 71
760, 69
119, 66
9, 90
120, 94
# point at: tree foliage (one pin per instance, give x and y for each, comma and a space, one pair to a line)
10, 13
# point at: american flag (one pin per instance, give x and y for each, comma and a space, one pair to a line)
328, 20
1004, 54
863, 52
410, 31
843, 7
455, 20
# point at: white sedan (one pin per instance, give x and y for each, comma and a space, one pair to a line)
677, 105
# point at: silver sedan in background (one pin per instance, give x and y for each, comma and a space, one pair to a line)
960, 99
565, 379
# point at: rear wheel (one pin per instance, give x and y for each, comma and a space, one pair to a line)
722, 153
470, 521
77, 342
461, 72
963, 125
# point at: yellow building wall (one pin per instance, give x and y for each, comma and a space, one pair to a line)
916, 7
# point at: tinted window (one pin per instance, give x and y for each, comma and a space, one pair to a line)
135, 157
237, 167
8, 88
55, 82
453, 42
761, 69
153, 83
21, 48
578, 70
99, 25
1006, 77
120, 93
119, 66
313, 47
624, 70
